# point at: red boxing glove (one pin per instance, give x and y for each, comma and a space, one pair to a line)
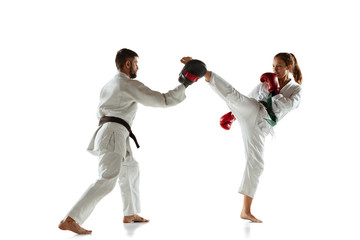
272, 82
227, 120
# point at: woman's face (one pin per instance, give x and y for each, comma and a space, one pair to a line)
280, 68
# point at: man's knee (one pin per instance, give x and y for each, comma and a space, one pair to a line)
106, 185
109, 167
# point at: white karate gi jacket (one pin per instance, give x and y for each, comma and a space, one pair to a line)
288, 99
120, 98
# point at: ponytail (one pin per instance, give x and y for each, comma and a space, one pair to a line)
296, 72
290, 60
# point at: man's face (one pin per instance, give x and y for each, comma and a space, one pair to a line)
134, 67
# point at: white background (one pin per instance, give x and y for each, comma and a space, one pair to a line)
55, 56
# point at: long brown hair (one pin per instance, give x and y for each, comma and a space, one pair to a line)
290, 60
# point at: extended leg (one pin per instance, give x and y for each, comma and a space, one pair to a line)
109, 168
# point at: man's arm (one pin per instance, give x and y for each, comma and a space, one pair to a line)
147, 97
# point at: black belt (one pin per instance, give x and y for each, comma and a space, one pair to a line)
268, 105
122, 122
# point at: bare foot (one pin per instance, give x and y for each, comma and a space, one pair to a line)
70, 224
185, 60
134, 218
249, 216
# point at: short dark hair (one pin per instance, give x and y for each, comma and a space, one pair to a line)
122, 56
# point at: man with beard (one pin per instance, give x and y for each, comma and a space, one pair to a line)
116, 112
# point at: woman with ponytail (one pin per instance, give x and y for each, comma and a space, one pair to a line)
289, 61
253, 113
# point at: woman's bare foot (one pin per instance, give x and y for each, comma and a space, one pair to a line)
134, 218
207, 76
70, 224
249, 216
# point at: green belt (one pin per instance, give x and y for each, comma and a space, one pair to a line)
268, 105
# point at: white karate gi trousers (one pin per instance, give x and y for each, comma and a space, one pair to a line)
116, 164
250, 115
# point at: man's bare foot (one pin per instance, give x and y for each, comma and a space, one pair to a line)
249, 216
70, 224
134, 218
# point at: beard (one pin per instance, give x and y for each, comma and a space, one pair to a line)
132, 73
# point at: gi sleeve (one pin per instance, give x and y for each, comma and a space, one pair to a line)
288, 103
147, 97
